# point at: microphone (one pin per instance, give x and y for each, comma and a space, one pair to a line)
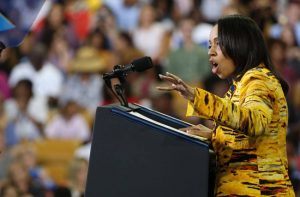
138, 65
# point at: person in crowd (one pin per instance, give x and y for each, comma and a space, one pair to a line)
18, 179
77, 176
194, 57
289, 17
249, 137
188, 59
27, 155
8, 190
68, 123
148, 35
83, 79
55, 21
126, 13
98, 40
77, 180
60, 52
23, 124
125, 49
207, 5
277, 50
46, 78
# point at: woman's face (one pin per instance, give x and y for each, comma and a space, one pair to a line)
147, 16
221, 65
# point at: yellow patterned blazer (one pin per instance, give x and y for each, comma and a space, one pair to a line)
250, 137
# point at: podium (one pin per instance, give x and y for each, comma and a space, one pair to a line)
138, 152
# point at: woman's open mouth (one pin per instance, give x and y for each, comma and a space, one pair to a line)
214, 67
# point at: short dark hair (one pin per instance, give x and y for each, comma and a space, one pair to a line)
27, 83
241, 40
127, 37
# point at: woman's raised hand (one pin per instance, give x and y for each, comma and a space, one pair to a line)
177, 84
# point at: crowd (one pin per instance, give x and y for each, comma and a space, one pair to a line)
51, 85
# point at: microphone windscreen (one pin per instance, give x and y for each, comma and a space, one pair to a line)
142, 64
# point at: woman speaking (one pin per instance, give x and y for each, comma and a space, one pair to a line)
249, 138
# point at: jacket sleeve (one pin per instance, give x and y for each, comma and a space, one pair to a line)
251, 116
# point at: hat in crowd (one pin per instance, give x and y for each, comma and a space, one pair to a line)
87, 60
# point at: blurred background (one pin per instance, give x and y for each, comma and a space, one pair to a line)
51, 84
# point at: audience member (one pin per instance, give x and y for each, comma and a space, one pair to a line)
23, 124
147, 36
46, 78
18, 177
126, 12
189, 60
68, 124
84, 79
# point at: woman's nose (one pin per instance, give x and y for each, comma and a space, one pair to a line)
211, 51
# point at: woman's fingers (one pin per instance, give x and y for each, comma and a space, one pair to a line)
166, 88
167, 78
177, 84
198, 130
179, 88
185, 129
200, 133
176, 78
172, 78
185, 85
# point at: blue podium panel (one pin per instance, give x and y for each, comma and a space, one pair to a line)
137, 152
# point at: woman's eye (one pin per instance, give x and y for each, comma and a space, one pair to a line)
209, 46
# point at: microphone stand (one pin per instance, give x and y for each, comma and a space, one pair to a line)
119, 88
